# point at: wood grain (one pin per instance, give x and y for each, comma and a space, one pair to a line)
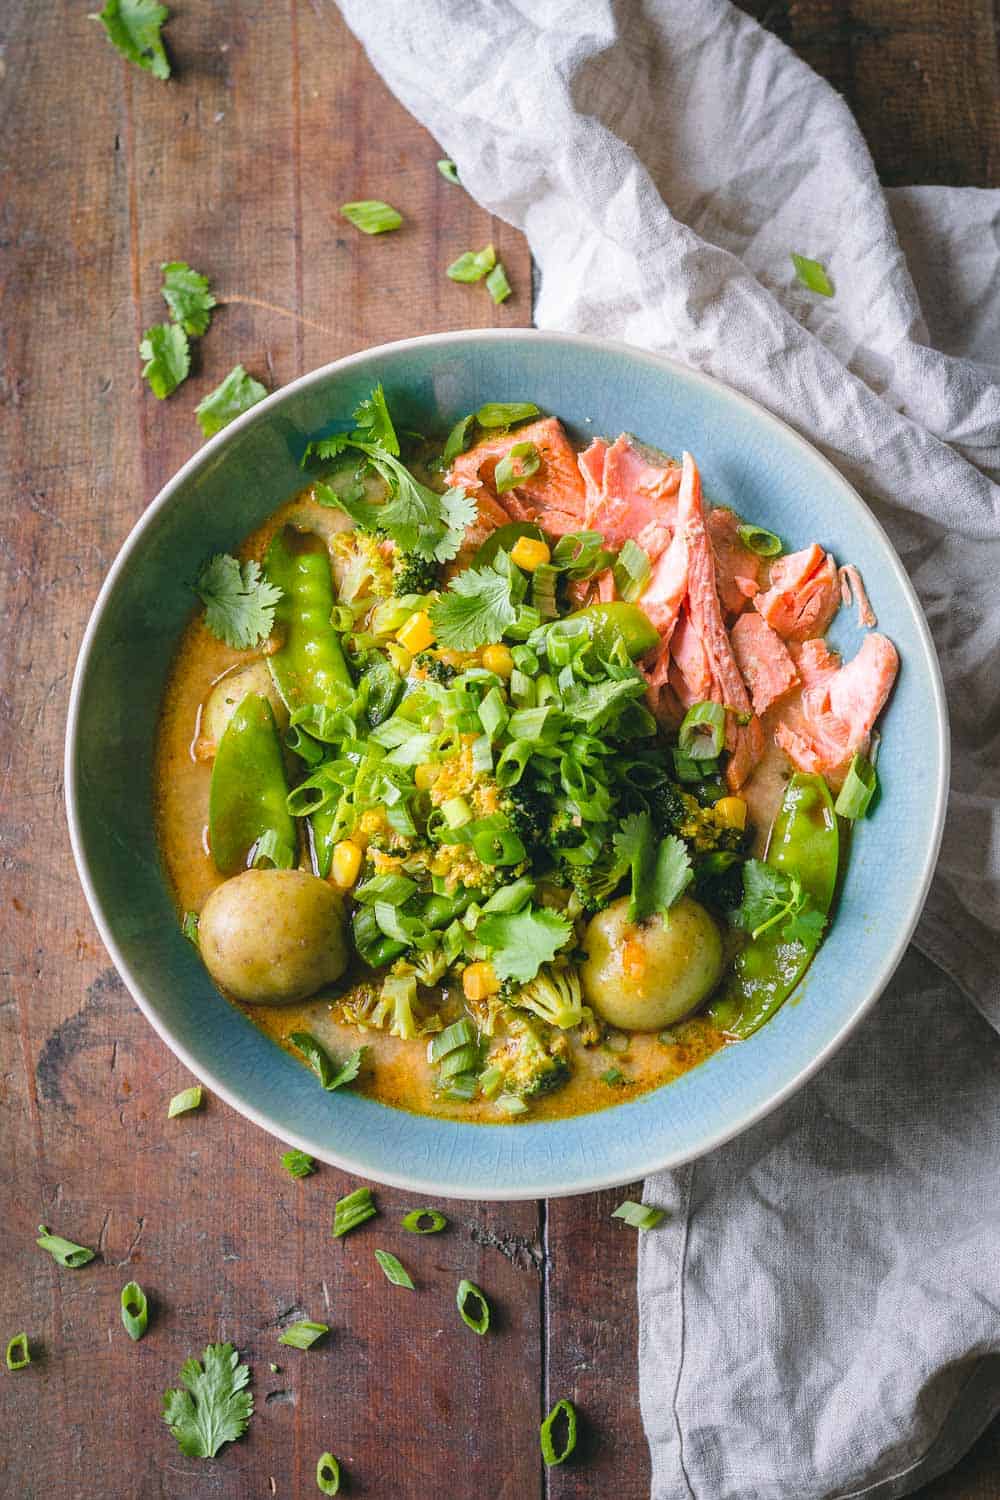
237, 165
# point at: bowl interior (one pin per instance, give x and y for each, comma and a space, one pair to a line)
750, 461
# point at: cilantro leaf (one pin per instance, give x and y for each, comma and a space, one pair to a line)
363, 513
805, 925
133, 27
323, 1065
375, 423
167, 354
214, 1408
239, 602
524, 940
187, 295
236, 394
476, 610
633, 846
772, 898
597, 703
418, 519
672, 873
326, 448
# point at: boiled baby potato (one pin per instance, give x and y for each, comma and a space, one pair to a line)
273, 936
229, 692
646, 975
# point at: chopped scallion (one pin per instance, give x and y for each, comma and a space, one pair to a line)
758, 540
394, 1271
503, 413
567, 1411
186, 1100
468, 1293
860, 786
304, 1334
613, 1077
298, 1163
473, 265
458, 439
413, 1223
522, 460
631, 571
135, 1310
189, 927
448, 170
64, 1251
328, 1475
812, 274
353, 1210
458, 1034
18, 1353
639, 1215
371, 216
703, 732
497, 284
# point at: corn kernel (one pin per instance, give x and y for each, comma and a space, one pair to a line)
345, 865
400, 658
529, 553
499, 660
418, 632
479, 981
425, 776
731, 812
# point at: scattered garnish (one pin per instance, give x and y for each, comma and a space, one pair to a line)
328, 1474
167, 354
504, 413
135, 1310
371, 216
521, 462
631, 571
352, 1211
497, 284
230, 399
473, 265
523, 940
759, 540
567, 1411
661, 870
613, 1077
18, 1353
214, 1408
479, 605
458, 439
860, 786
413, 1222
771, 899
394, 1271
323, 1065
298, 1163
63, 1251
468, 1293
189, 927
239, 602
133, 27
448, 171
304, 1334
812, 274
639, 1215
186, 1100
274, 1369
187, 295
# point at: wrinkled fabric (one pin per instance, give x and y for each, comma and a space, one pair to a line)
819, 1313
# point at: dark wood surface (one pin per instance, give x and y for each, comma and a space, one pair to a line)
272, 119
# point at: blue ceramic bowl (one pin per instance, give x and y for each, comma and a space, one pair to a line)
749, 460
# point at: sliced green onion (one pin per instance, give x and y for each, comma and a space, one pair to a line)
482, 754
613, 1077
456, 812
581, 554
490, 1081
186, 1100
18, 1353
567, 1410
493, 714
272, 852
449, 172
639, 1215
511, 897
506, 475
631, 571
686, 769
473, 265
395, 889
353, 1210
394, 1271
413, 1223
189, 927
371, 216
458, 1034
758, 540
342, 618
543, 590
511, 1104
461, 1060
458, 439
503, 413
498, 846
274, 1369
328, 1469
497, 284
469, 1292
462, 1086
304, 1334
135, 1310
64, 1251
298, 1163
812, 274
860, 786
703, 732
528, 724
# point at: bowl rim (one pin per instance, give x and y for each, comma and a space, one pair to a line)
660, 1159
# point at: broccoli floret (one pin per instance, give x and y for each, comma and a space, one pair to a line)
554, 996
667, 806
413, 575
700, 830
530, 1059
527, 812
359, 567
426, 968
592, 886
393, 1008
436, 669
718, 879
565, 831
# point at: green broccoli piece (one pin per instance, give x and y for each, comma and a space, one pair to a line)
529, 1061
393, 1008
593, 885
565, 831
436, 669
359, 567
554, 996
413, 575
527, 812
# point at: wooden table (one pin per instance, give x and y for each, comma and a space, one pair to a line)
272, 119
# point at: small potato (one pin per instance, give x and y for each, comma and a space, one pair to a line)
273, 936
229, 692
644, 976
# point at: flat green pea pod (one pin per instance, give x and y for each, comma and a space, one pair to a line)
805, 844
618, 621
247, 815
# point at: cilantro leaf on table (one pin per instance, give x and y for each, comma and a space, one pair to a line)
133, 27
771, 898
167, 354
521, 942
235, 395
214, 1408
476, 610
187, 295
239, 602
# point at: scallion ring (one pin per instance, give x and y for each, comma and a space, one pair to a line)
186, 1100
394, 1270
135, 1310
639, 1215
519, 463
469, 1292
758, 540
703, 732
63, 1251
562, 1409
413, 1222
449, 172
328, 1475
18, 1353
371, 216
304, 1334
497, 284
353, 1210
860, 786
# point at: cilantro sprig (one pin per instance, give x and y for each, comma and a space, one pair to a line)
167, 356
521, 942
230, 399
215, 1407
771, 898
133, 28
479, 605
239, 601
661, 870
186, 293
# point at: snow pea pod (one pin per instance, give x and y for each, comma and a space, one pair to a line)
805, 844
248, 792
610, 622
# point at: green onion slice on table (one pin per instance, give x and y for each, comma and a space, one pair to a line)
186, 1100
18, 1353
639, 1215
371, 215
63, 1251
328, 1475
565, 1411
135, 1310
353, 1210
304, 1334
394, 1270
414, 1222
467, 1298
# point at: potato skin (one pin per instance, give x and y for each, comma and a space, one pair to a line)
273, 936
644, 976
229, 692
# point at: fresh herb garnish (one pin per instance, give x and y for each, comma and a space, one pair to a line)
167, 354
187, 295
329, 1074
64, 1251
186, 1100
467, 1298
448, 171
479, 605
860, 786
18, 1353
239, 601
639, 1215
352, 1211
371, 216
520, 462
327, 1474
773, 899
304, 1334
521, 941
133, 28
661, 871
135, 1310
565, 1411
414, 1224
458, 439
189, 927
757, 539
812, 274
473, 265
394, 1270
497, 284
298, 1163
230, 399
503, 413
215, 1407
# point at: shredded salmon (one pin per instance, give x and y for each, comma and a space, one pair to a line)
763, 659
555, 492
839, 704
803, 596
852, 589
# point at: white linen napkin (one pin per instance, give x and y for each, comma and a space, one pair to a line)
819, 1315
